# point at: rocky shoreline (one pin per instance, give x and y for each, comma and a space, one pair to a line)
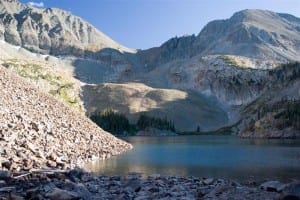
77, 184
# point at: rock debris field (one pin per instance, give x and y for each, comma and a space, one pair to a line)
37, 131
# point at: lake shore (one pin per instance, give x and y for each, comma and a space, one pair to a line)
77, 184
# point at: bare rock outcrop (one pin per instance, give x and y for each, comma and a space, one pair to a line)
37, 131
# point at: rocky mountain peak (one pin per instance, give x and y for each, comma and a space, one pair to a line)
51, 31
257, 34
251, 14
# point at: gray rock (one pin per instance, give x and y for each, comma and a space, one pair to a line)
48, 187
208, 181
154, 176
59, 194
290, 192
272, 186
8, 189
134, 184
80, 189
2, 183
16, 197
33, 193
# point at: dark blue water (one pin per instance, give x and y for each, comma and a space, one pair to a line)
207, 156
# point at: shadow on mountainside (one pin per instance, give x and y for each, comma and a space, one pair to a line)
112, 66
189, 113
106, 65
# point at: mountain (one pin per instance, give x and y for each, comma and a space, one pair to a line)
51, 31
225, 69
256, 34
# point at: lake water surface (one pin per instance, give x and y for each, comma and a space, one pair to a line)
207, 156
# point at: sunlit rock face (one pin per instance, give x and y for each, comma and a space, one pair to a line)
51, 31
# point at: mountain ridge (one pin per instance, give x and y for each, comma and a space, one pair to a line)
243, 30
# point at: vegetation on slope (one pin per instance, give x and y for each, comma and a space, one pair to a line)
48, 80
286, 73
280, 115
231, 61
276, 113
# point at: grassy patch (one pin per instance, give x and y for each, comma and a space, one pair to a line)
231, 62
228, 60
62, 92
56, 84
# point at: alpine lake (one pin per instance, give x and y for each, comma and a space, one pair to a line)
206, 156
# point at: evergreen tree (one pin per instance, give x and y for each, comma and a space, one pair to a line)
111, 121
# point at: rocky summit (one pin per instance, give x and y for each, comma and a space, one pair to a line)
37, 131
50, 31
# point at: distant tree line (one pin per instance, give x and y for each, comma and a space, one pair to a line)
145, 121
111, 121
118, 124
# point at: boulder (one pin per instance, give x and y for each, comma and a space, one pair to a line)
59, 194
272, 186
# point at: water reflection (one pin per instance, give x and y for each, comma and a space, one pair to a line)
206, 156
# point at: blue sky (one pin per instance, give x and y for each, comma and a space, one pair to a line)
147, 23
